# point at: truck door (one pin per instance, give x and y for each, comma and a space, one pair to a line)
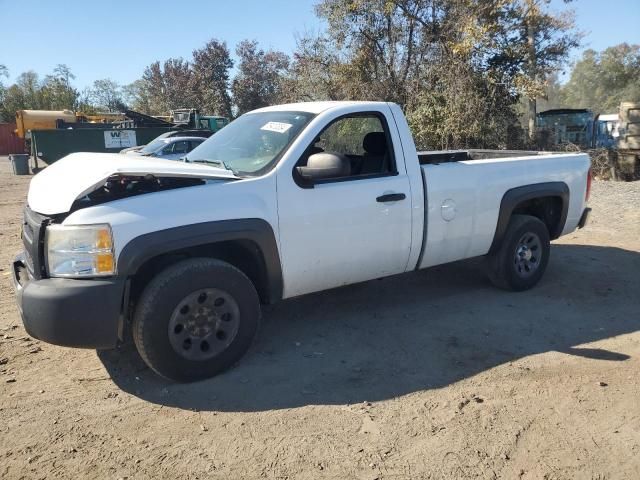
351, 228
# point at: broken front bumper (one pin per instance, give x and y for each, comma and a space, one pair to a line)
69, 312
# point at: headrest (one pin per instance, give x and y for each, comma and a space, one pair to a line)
375, 143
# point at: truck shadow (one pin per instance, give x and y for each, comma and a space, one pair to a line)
424, 330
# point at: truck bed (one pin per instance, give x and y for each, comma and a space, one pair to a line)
432, 157
464, 190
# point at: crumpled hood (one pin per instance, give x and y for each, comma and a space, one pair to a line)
55, 188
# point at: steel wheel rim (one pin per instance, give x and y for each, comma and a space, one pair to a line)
528, 255
204, 324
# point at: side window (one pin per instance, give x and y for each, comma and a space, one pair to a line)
359, 143
181, 147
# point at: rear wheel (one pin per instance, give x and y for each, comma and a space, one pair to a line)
196, 319
522, 258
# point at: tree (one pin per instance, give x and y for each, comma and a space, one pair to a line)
532, 44
552, 96
261, 76
178, 84
106, 95
56, 90
4, 72
378, 43
431, 57
25, 93
602, 80
163, 87
211, 69
151, 88
137, 96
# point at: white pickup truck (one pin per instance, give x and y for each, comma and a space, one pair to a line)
286, 200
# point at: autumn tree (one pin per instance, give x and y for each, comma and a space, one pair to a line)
23, 94
211, 72
137, 97
151, 87
261, 77
602, 80
56, 91
178, 79
106, 95
533, 43
315, 70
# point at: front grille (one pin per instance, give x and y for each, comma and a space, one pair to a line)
33, 227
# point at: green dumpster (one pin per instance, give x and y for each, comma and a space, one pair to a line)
51, 145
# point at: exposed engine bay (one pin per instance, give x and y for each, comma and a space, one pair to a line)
123, 186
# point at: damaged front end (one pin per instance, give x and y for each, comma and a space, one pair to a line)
81, 180
117, 187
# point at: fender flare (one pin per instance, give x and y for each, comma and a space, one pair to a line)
145, 247
513, 197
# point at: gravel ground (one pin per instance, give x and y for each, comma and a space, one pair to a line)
433, 374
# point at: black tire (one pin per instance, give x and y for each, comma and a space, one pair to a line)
173, 299
507, 267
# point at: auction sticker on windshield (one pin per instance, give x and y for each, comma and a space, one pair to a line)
278, 127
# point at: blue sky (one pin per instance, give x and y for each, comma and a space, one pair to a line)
117, 39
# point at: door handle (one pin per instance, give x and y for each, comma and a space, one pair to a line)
391, 197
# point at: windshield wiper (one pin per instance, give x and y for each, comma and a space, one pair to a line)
216, 163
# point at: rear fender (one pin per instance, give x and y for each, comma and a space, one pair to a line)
512, 198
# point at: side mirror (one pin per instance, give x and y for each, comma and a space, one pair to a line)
326, 165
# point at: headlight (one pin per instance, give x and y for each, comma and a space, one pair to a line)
79, 251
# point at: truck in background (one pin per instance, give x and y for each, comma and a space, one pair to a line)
566, 125
192, 118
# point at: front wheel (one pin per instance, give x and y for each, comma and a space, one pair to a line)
196, 319
522, 258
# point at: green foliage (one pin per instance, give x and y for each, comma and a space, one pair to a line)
463, 109
261, 77
200, 83
211, 66
105, 96
54, 92
602, 80
347, 135
458, 67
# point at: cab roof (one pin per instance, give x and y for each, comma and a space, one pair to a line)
314, 107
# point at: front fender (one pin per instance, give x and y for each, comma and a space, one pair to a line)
145, 247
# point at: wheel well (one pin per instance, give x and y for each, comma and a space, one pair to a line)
242, 254
548, 209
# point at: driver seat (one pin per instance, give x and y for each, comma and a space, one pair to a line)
376, 156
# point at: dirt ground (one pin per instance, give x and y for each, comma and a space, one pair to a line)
433, 374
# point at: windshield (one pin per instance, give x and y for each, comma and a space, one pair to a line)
252, 143
154, 146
